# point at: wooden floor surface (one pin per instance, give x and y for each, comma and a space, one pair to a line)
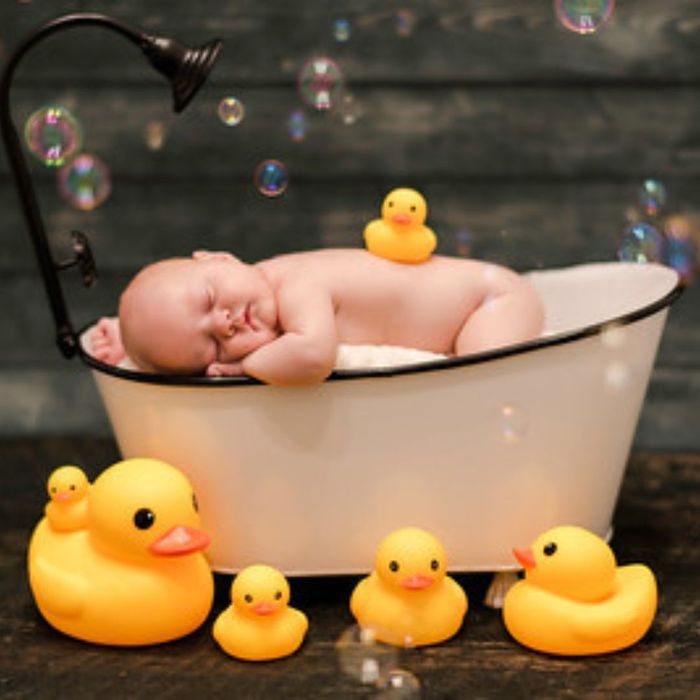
657, 522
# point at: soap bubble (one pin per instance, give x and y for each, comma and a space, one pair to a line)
399, 685
613, 335
341, 30
464, 242
680, 247
231, 111
405, 22
297, 125
514, 423
320, 82
53, 135
348, 109
584, 16
363, 658
271, 178
652, 196
84, 182
616, 376
641, 243
155, 135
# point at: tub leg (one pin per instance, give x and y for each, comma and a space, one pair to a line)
500, 585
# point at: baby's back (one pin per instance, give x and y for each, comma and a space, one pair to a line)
377, 301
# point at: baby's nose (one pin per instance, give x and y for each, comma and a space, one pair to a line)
224, 324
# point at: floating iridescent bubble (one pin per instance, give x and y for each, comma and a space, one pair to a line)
53, 135
613, 335
271, 178
231, 111
514, 423
617, 376
399, 685
297, 125
405, 22
681, 250
652, 196
155, 135
320, 82
364, 659
464, 242
641, 243
85, 182
348, 109
584, 16
341, 30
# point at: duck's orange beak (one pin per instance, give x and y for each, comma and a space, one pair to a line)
416, 582
180, 540
525, 557
264, 608
401, 218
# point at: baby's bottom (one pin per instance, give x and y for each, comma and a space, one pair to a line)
511, 317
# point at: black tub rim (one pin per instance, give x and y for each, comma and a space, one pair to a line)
441, 364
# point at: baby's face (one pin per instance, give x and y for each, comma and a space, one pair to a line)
181, 316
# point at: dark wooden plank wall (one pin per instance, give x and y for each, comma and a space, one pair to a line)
530, 137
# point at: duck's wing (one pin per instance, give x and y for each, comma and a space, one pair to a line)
632, 607
60, 592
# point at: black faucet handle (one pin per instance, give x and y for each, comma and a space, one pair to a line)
82, 258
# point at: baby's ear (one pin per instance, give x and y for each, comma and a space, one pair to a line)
209, 254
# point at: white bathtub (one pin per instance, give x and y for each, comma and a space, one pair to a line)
485, 452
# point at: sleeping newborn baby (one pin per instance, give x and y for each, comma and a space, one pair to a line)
281, 320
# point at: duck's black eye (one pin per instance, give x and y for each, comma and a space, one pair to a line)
144, 518
278, 595
434, 564
195, 503
248, 598
72, 487
53, 489
394, 565
413, 208
549, 549
391, 204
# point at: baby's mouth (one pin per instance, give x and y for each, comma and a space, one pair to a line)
248, 319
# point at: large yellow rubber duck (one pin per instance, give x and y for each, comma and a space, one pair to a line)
401, 234
68, 489
408, 600
575, 600
259, 625
135, 574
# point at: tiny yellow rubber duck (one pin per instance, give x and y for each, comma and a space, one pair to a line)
408, 600
68, 491
401, 234
575, 600
259, 625
135, 574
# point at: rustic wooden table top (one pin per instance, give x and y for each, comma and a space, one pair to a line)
657, 522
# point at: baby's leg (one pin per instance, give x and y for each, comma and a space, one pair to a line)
105, 342
505, 317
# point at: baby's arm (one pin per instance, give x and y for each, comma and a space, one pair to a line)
305, 352
105, 342
510, 313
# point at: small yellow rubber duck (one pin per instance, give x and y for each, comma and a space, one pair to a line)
400, 234
68, 491
259, 625
408, 600
575, 600
135, 574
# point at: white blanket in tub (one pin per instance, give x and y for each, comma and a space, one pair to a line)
360, 357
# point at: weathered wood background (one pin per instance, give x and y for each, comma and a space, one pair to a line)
532, 139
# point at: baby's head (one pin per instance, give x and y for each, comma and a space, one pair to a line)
188, 315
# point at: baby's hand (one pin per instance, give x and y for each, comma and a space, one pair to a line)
222, 369
105, 342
